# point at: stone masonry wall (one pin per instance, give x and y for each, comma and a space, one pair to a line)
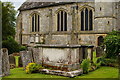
104, 20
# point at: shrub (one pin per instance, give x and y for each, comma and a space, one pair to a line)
112, 42
85, 65
109, 62
22, 48
96, 61
11, 45
33, 67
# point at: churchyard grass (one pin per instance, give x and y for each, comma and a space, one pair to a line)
102, 72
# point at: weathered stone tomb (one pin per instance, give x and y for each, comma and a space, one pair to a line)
65, 57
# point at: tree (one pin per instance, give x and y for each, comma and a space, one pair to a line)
8, 20
112, 43
8, 28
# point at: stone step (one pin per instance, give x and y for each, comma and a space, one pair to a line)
62, 73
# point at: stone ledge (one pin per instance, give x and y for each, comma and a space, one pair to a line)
62, 46
62, 73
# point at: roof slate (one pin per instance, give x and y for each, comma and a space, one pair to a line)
34, 5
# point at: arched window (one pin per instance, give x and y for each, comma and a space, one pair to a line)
90, 20
86, 20
61, 21
100, 40
35, 23
82, 21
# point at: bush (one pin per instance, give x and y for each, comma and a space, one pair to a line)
109, 62
33, 67
11, 45
96, 61
22, 48
112, 42
85, 65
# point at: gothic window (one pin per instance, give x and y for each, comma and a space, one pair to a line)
86, 20
100, 40
35, 23
82, 21
90, 20
61, 21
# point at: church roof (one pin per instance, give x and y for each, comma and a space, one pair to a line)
34, 5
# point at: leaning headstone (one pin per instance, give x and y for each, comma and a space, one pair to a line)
5, 62
26, 57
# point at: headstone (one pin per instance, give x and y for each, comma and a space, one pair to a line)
36, 55
20, 62
26, 57
99, 51
5, 62
11, 59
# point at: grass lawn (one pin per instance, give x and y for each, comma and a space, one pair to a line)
103, 72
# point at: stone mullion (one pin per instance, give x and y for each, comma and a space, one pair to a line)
34, 23
63, 21
88, 20
60, 21
38, 23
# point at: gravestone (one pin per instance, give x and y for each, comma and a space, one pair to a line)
11, 59
20, 62
99, 51
26, 57
36, 56
4, 62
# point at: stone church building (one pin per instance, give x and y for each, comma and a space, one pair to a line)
84, 23
62, 34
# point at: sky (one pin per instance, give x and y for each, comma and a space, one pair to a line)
16, 3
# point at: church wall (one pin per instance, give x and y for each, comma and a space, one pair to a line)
105, 16
88, 39
104, 21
